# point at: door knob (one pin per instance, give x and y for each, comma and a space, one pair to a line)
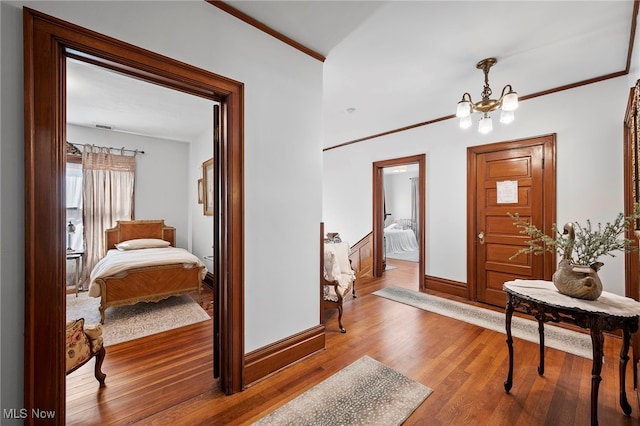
481, 237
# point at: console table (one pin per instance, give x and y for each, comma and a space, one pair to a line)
609, 312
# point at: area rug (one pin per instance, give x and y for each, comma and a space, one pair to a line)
123, 323
555, 337
366, 392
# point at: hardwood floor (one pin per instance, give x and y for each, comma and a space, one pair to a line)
167, 378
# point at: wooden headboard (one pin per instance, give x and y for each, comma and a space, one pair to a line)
134, 229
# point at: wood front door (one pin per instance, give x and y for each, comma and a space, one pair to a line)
509, 178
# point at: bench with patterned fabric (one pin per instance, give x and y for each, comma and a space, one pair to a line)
82, 344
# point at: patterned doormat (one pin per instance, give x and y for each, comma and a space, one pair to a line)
555, 337
366, 392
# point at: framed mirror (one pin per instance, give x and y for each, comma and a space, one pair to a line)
207, 186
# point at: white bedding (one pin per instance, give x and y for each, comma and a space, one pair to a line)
117, 261
400, 240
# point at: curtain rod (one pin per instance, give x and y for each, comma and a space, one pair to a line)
123, 149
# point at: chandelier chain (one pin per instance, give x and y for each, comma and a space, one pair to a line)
486, 92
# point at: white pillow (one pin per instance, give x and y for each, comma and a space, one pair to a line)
142, 243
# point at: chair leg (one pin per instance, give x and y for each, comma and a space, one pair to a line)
342, 329
353, 290
100, 376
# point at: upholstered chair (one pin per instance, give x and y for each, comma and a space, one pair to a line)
338, 276
82, 344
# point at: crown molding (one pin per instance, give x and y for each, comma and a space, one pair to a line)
262, 27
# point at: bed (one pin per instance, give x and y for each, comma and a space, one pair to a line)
142, 264
398, 240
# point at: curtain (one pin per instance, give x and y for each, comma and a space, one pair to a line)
415, 203
107, 196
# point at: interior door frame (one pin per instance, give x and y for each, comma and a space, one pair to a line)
47, 41
378, 211
631, 167
548, 143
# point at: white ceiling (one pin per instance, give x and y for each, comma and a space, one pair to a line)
97, 96
399, 63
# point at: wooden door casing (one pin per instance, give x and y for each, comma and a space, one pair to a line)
48, 41
631, 167
378, 211
531, 163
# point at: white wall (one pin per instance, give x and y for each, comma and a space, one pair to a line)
201, 225
161, 185
283, 95
397, 191
589, 172
11, 211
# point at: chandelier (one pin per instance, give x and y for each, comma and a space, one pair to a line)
507, 103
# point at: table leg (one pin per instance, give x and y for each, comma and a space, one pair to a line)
597, 341
541, 333
508, 314
624, 357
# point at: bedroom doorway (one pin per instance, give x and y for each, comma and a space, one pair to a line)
48, 42
110, 118
399, 213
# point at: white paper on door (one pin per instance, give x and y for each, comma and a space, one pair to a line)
507, 191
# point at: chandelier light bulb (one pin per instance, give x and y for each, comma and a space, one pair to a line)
485, 125
510, 101
465, 122
464, 109
506, 117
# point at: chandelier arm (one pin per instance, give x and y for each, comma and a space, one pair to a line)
504, 91
466, 97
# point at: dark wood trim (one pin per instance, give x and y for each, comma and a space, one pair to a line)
229, 252
269, 359
378, 210
549, 175
71, 158
46, 40
321, 273
264, 28
632, 35
443, 285
363, 240
390, 132
630, 188
574, 85
630, 151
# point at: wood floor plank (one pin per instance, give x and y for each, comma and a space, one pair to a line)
167, 378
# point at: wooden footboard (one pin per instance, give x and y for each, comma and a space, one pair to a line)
148, 284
